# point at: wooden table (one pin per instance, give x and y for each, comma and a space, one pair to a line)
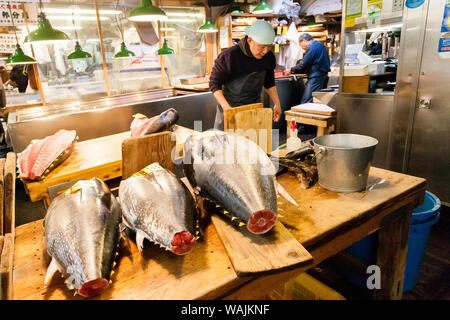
100, 157
323, 123
326, 223
201, 87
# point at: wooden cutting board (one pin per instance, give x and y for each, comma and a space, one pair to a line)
252, 254
315, 108
255, 255
139, 152
252, 124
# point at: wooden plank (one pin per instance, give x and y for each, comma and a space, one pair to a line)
228, 115
324, 214
193, 87
256, 125
392, 250
355, 84
10, 192
253, 254
6, 268
100, 157
309, 115
315, 108
139, 152
204, 273
2, 195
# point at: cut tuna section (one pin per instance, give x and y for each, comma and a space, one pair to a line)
42, 156
236, 174
142, 125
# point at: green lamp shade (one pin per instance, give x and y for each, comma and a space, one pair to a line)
124, 52
19, 57
165, 49
45, 33
207, 27
78, 53
262, 8
147, 12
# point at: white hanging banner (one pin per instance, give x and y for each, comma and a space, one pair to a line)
16, 12
8, 42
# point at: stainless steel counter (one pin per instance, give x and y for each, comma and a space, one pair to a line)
93, 120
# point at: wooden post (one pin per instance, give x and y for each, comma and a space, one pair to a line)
392, 249
2, 195
102, 49
161, 57
35, 68
10, 191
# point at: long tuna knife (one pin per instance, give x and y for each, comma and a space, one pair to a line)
285, 194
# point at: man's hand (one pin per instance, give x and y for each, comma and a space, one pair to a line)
287, 72
226, 106
276, 113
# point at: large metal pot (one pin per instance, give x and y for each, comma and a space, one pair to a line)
343, 161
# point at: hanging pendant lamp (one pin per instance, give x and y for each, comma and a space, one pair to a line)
124, 52
147, 12
207, 27
165, 49
19, 57
78, 53
45, 33
262, 8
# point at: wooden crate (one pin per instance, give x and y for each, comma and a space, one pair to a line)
7, 219
356, 84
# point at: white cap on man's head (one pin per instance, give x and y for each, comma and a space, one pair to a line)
261, 31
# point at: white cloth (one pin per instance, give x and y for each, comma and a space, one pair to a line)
294, 52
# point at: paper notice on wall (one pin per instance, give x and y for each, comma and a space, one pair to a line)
397, 5
444, 40
374, 8
8, 42
353, 8
10, 10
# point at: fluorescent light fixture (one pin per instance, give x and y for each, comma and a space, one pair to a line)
180, 20
184, 14
32, 28
80, 11
304, 28
385, 28
168, 29
77, 18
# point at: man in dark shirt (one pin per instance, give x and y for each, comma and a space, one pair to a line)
240, 72
19, 76
316, 65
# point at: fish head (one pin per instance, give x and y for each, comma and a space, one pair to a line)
182, 242
171, 116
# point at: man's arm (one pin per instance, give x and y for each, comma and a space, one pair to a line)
273, 94
305, 64
218, 94
220, 74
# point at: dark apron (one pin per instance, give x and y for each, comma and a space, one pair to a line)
243, 90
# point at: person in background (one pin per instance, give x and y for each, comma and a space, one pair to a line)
240, 72
315, 64
19, 76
